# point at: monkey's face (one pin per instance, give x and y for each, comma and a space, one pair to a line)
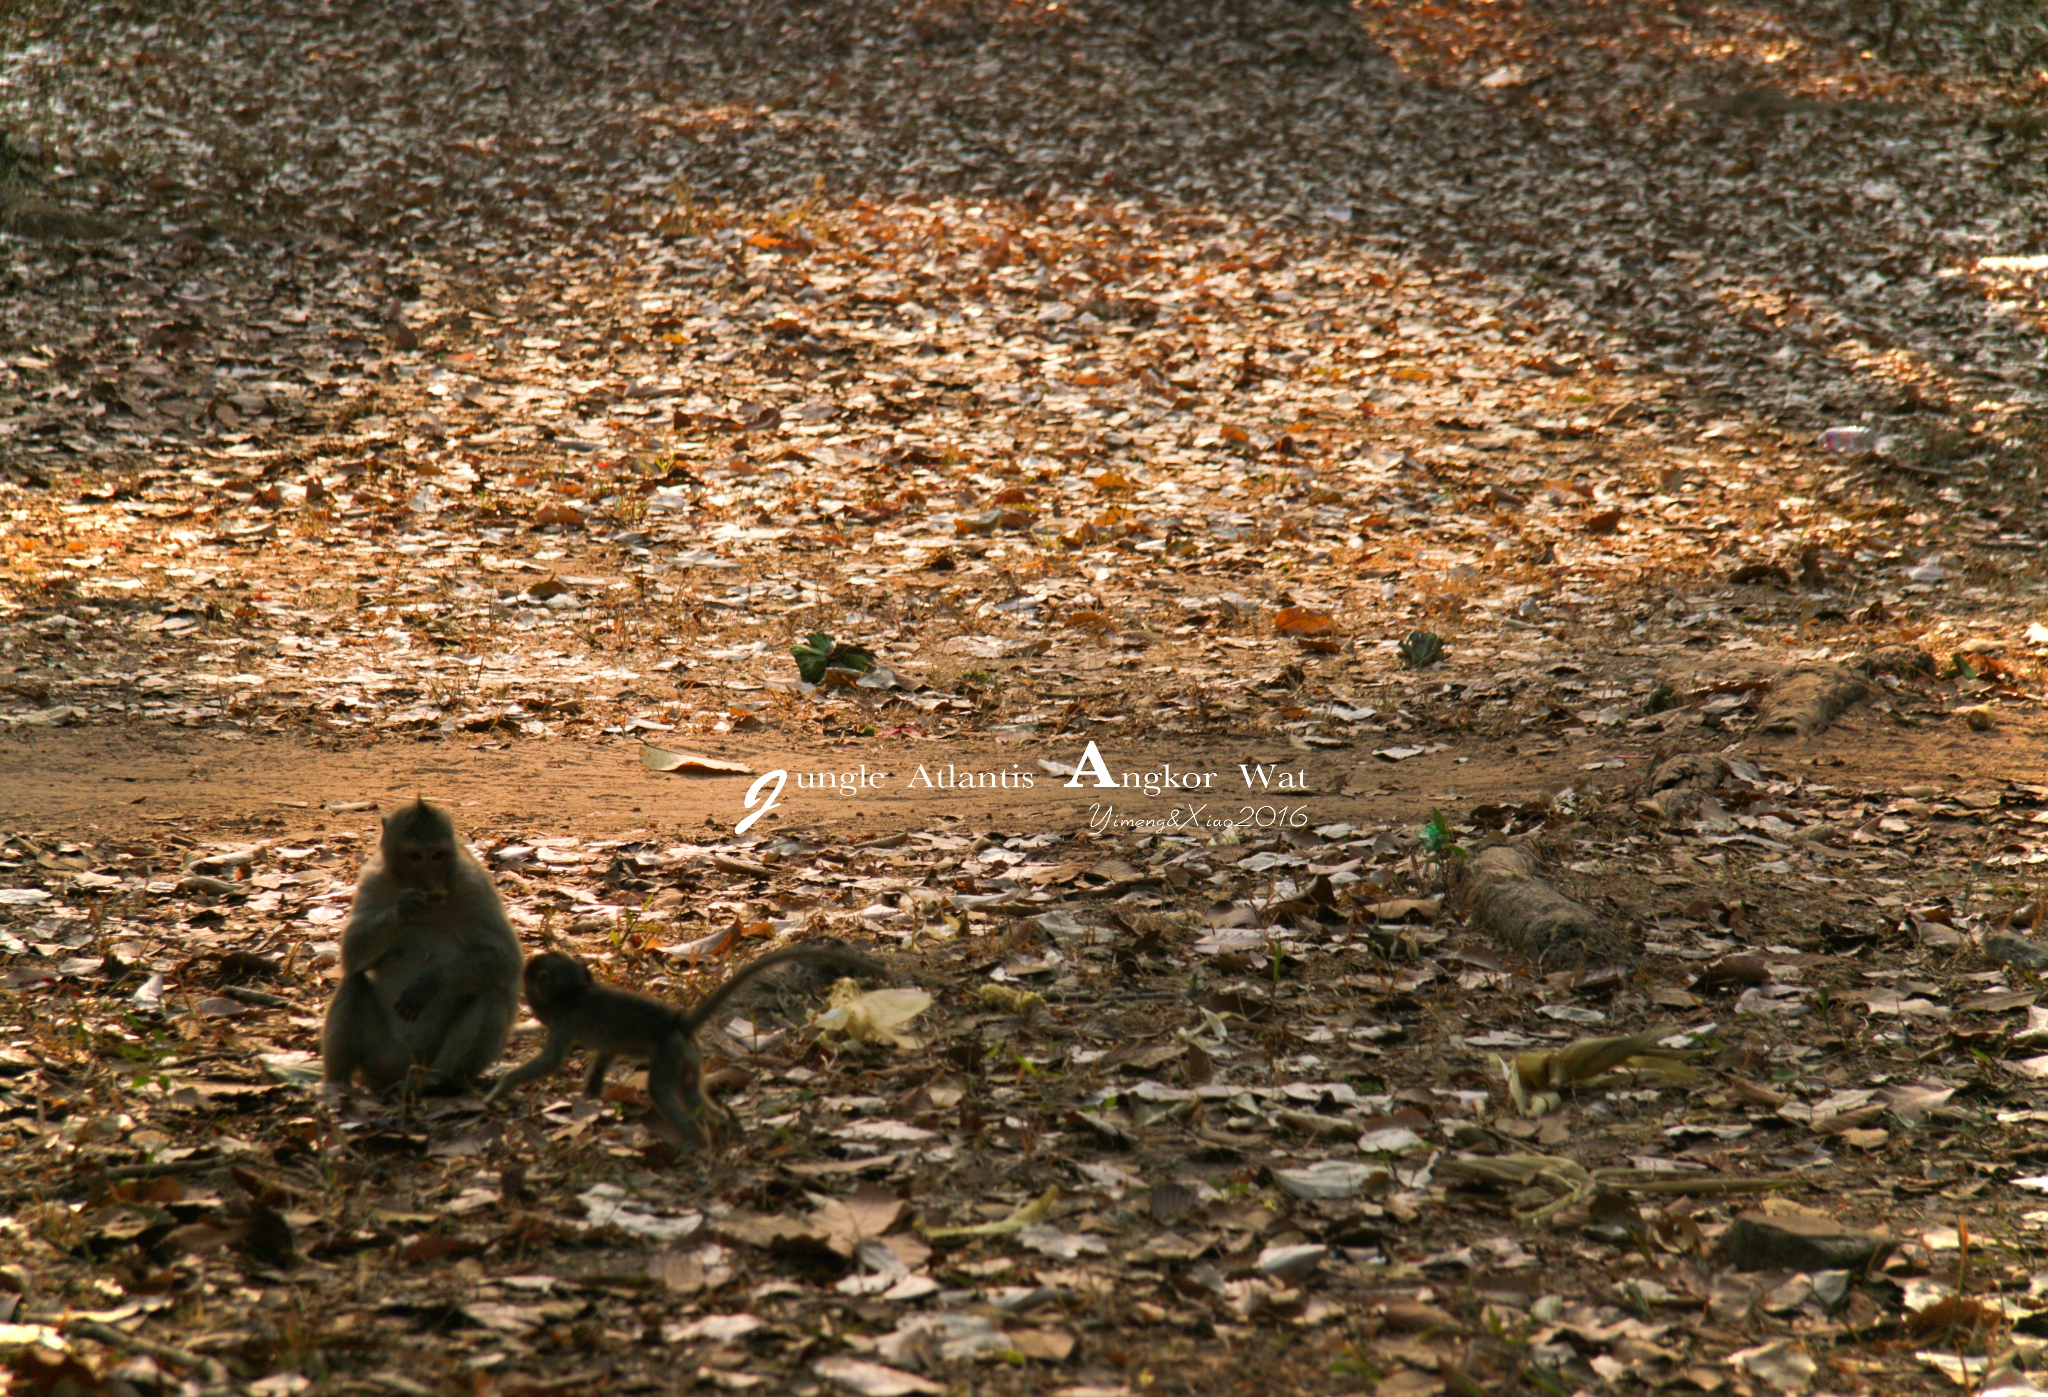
429, 866
554, 982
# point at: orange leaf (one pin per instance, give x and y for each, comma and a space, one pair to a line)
1300, 621
436, 1246
777, 242
567, 515
1605, 522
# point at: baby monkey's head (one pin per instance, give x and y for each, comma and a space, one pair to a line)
419, 846
554, 982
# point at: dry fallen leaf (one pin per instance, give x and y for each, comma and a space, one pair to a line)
555, 512
868, 1379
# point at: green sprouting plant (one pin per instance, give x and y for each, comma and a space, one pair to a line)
1421, 649
1438, 841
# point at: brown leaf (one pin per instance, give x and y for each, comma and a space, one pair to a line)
1733, 971
1956, 1315
868, 1211
1757, 574
1756, 1094
686, 1273
198, 1238
772, 1232
1045, 1345
43, 1371
1116, 872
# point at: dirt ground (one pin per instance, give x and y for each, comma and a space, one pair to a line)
1525, 519
121, 784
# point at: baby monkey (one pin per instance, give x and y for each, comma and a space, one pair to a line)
612, 1023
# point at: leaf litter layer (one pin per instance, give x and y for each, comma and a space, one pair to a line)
1399, 387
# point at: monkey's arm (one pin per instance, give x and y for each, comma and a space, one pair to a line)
838, 957
376, 924
552, 1055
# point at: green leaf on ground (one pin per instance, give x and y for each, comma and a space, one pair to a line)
820, 653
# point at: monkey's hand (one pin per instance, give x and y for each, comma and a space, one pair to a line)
412, 900
419, 994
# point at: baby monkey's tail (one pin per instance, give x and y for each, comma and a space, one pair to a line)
810, 953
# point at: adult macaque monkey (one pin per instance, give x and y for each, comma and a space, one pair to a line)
613, 1023
429, 962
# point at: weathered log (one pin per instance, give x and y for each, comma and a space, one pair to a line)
1522, 913
1805, 698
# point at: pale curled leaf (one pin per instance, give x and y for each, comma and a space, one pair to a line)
690, 763
874, 1379
1586, 1058
872, 1016
1027, 1215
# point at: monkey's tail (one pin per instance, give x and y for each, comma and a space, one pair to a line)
839, 957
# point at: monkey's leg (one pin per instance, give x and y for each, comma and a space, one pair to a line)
593, 1080
675, 1081
360, 1034
471, 1042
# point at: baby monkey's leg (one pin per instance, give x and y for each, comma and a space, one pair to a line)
552, 1054
673, 1081
593, 1080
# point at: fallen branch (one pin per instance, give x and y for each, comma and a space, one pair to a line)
211, 1370
1580, 1183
